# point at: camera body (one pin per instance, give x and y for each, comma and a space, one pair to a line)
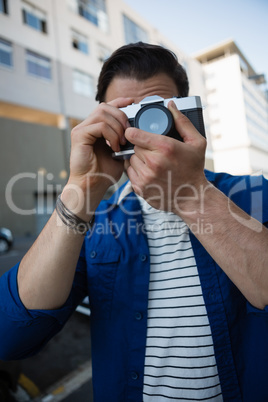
152, 115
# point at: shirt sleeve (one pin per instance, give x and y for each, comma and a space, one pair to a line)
24, 332
254, 310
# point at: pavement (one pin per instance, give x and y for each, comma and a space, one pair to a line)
62, 370
74, 387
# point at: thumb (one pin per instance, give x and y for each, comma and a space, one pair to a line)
121, 102
183, 125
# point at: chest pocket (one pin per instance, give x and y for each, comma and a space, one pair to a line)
102, 269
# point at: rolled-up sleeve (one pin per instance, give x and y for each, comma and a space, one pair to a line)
254, 310
24, 332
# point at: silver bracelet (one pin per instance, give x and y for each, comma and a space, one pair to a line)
71, 220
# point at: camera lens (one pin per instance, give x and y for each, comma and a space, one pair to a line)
155, 119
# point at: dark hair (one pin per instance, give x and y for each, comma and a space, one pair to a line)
141, 61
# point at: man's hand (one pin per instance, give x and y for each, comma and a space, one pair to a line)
92, 168
166, 172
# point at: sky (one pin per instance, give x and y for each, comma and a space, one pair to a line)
194, 25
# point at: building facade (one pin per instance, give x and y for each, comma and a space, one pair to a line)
237, 109
51, 53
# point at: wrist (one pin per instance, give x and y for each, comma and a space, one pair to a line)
71, 220
192, 200
81, 202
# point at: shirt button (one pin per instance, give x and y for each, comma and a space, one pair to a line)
134, 375
93, 254
138, 316
143, 257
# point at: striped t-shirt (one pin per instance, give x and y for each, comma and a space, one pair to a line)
180, 360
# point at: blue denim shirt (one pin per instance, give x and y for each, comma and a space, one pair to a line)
113, 269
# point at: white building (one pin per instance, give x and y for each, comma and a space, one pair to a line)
51, 52
237, 109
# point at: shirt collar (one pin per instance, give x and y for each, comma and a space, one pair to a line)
125, 192
128, 187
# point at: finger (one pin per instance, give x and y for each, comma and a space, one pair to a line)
183, 125
121, 102
108, 115
114, 119
118, 104
105, 113
139, 175
154, 150
137, 163
132, 174
134, 179
139, 153
89, 134
143, 139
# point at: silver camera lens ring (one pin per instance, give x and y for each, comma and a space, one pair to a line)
155, 119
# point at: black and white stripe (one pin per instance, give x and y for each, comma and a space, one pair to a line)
180, 361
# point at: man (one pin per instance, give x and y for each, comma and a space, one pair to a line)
175, 313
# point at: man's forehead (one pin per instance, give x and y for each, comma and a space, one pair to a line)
160, 84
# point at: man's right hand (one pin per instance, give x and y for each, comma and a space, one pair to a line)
92, 168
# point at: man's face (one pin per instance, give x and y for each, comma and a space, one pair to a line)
161, 85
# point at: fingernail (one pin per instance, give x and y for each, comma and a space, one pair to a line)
128, 124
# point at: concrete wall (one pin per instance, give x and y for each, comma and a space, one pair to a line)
32, 161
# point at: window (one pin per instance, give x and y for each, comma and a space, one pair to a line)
133, 32
34, 17
5, 53
83, 83
93, 10
3, 7
37, 65
79, 42
103, 53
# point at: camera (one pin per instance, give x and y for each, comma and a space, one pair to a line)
152, 115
